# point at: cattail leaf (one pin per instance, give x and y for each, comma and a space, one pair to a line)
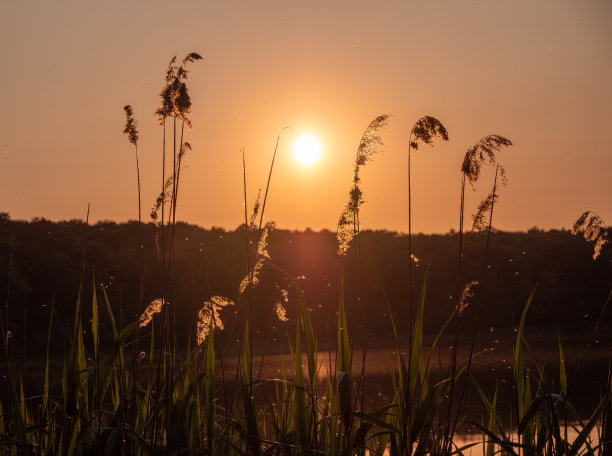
343, 354
345, 397
417, 342
94, 319
519, 370
562, 370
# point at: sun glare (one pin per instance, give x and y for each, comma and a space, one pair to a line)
307, 150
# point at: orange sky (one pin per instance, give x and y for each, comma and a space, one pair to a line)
538, 72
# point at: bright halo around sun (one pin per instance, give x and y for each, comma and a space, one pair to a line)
307, 150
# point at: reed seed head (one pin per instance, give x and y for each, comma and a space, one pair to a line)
281, 312
130, 125
593, 229
280, 306
208, 316
174, 95
370, 144
162, 198
483, 151
186, 147
480, 219
155, 307
255, 211
466, 295
426, 129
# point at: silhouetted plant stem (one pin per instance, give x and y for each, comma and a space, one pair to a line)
446, 419
132, 132
25, 334
160, 351
593, 337
265, 199
478, 305
249, 316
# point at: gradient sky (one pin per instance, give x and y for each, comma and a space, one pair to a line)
538, 72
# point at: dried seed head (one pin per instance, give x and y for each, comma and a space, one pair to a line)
425, 130
483, 151
155, 307
208, 316
254, 276
370, 144
262, 244
592, 227
480, 222
130, 125
162, 198
186, 147
281, 312
255, 211
465, 295
174, 95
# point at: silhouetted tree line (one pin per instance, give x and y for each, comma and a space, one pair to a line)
41, 263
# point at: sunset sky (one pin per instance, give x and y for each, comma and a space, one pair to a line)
537, 72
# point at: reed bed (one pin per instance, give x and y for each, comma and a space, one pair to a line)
185, 401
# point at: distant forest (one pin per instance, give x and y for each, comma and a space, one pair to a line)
41, 263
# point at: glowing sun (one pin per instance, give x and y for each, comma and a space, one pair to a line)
307, 150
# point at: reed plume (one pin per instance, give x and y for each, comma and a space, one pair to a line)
593, 229
471, 167
130, 125
480, 216
425, 130
208, 316
466, 294
261, 256
153, 308
482, 151
369, 145
281, 312
174, 95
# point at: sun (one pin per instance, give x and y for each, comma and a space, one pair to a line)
307, 150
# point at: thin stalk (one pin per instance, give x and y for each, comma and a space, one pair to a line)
136, 348
172, 271
163, 279
480, 298
593, 336
8, 291
408, 406
25, 335
263, 205
5, 330
249, 316
453, 361
84, 245
259, 228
